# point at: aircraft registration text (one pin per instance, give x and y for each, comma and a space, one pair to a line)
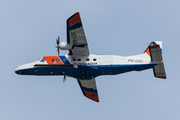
135, 60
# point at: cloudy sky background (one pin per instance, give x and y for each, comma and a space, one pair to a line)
28, 30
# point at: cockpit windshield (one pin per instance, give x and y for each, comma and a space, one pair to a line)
42, 59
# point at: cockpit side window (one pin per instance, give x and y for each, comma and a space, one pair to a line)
42, 60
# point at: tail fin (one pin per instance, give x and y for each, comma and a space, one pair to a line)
154, 50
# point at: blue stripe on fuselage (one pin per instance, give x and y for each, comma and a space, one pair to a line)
64, 60
90, 71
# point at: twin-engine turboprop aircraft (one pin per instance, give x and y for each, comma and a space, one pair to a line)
84, 67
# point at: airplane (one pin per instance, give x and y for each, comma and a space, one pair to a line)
85, 67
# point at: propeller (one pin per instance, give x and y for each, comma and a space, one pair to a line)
57, 46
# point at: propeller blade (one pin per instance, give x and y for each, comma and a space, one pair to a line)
57, 42
64, 79
58, 51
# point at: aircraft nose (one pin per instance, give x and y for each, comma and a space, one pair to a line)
23, 69
19, 69
21, 72
17, 72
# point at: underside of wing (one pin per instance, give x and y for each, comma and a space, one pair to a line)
89, 89
76, 36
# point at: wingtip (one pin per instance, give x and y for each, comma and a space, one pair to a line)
92, 96
75, 18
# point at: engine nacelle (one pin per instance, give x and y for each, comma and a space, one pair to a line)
65, 46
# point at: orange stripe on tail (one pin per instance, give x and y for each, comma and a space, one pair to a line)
147, 50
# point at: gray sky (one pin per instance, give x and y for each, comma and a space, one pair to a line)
28, 30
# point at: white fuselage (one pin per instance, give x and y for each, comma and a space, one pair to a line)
109, 59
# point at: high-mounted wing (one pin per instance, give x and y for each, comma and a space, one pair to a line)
89, 89
76, 36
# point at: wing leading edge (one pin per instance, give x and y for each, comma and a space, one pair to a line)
76, 36
89, 89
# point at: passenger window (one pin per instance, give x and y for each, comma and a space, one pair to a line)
94, 59
87, 59
52, 60
57, 60
79, 59
42, 60
74, 59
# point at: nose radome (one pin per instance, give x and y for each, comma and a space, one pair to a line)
17, 71
20, 69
